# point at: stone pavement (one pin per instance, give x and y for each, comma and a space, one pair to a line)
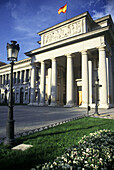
105, 113
34, 118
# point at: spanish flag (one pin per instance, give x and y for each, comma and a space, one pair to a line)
63, 9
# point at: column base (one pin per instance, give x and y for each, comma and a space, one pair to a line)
84, 105
53, 104
69, 105
104, 106
41, 104
101, 106
31, 104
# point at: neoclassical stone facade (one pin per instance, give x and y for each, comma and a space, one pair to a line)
63, 71
21, 82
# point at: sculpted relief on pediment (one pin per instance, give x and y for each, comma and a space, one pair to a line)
63, 32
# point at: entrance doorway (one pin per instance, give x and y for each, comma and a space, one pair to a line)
79, 98
79, 91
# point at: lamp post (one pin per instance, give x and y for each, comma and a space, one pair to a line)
96, 95
12, 53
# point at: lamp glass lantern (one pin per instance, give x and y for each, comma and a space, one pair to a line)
12, 51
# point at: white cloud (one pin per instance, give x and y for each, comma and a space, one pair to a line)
97, 14
90, 3
29, 23
107, 9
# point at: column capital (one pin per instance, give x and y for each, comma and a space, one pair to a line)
42, 62
53, 59
102, 48
84, 52
68, 55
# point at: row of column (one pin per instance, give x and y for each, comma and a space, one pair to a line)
19, 77
105, 79
22, 76
86, 81
52, 84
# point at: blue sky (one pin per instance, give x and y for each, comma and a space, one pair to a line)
22, 19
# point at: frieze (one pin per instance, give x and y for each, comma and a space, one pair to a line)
63, 32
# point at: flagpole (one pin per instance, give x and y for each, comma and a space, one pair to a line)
66, 11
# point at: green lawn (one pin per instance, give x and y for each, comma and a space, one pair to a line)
49, 144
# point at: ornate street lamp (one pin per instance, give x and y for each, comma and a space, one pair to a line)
12, 53
96, 95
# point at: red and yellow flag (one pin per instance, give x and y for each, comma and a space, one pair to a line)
63, 9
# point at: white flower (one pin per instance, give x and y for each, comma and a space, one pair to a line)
100, 159
67, 154
75, 153
85, 162
54, 163
74, 149
87, 150
65, 159
51, 166
92, 165
69, 162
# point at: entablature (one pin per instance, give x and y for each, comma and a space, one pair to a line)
72, 27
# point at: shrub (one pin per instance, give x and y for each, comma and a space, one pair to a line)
92, 152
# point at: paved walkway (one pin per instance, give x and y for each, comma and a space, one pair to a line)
109, 113
32, 117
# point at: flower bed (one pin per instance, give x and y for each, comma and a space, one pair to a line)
93, 152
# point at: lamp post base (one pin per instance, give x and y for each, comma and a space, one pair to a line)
9, 133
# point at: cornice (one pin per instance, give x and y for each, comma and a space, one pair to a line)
102, 19
68, 41
66, 22
16, 63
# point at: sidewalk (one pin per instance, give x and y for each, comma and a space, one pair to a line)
108, 113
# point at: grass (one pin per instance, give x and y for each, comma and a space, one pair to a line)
51, 143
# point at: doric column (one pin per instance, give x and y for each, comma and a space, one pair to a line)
61, 86
69, 85
33, 81
85, 79
29, 75
49, 84
90, 81
42, 84
109, 80
103, 78
54, 83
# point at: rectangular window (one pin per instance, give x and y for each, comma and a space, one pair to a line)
3, 79
27, 75
18, 76
22, 76
14, 78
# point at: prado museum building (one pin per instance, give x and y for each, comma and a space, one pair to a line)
74, 57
